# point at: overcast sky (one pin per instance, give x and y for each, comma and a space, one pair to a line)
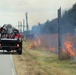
12, 11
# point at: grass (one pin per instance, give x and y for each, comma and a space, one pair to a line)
41, 62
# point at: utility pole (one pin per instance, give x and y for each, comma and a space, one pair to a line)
20, 26
23, 25
27, 27
59, 33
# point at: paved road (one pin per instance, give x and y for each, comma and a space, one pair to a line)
7, 66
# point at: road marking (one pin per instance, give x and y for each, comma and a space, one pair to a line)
12, 64
12, 71
10, 56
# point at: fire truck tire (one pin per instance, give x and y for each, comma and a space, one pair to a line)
19, 51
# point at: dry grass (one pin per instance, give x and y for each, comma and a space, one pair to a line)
40, 62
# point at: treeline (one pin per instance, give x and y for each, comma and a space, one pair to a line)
68, 23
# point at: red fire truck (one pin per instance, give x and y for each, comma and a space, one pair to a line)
10, 39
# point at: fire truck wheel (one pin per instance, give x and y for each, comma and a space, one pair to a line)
19, 51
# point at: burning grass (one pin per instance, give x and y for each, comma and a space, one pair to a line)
35, 43
68, 47
45, 42
50, 42
42, 62
39, 56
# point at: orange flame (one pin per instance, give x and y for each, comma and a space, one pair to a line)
63, 50
52, 49
39, 41
35, 43
69, 48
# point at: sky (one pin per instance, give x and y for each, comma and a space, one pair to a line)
12, 11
